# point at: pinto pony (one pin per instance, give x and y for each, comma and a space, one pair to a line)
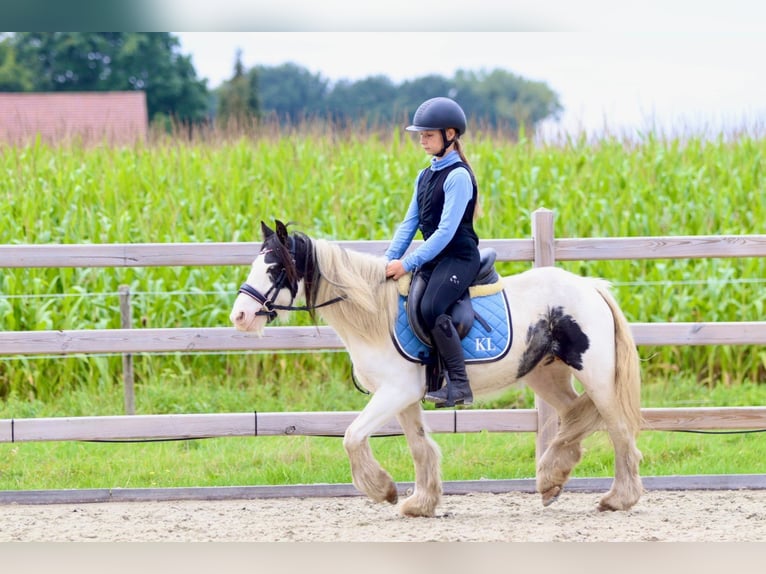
565, 326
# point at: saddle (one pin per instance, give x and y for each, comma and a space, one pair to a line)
485, 338
462, 311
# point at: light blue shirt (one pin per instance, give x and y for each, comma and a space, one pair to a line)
458, 191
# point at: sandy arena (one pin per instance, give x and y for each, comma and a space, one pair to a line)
698, 516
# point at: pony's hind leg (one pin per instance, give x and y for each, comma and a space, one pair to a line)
553, 383
627, 487
426, 456
596, 409
577, 421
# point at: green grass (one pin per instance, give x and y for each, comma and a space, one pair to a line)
310, 460
353, 185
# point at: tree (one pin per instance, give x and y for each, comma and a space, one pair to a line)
502, 99
367, 101
69, 61
496, 99
238, 97
103, 61
13, 77
152, 62
291, 92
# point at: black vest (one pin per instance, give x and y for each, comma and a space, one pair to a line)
431, 202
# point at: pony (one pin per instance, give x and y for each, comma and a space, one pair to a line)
566, 327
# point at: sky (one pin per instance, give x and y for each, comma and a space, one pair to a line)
677, 66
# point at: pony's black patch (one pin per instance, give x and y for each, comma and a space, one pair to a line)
555, 336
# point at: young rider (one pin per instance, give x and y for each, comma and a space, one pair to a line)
442, 208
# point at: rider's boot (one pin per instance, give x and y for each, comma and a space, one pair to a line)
456, 389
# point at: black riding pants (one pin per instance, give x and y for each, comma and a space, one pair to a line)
446, 281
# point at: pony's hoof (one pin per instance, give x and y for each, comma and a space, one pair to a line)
551, 495
414, 511
605, 505
612, 502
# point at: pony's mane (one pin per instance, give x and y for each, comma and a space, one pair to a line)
369, 305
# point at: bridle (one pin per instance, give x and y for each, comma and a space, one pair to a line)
269, 307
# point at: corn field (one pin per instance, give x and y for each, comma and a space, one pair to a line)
348, 185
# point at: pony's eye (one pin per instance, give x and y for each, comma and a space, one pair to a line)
274, 272
270, 256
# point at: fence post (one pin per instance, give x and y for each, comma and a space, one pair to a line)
543, 238
126, 322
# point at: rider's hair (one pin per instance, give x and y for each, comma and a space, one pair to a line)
459, 150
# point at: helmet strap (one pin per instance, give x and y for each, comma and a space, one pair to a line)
445, 142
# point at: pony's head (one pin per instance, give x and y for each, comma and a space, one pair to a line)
275, 279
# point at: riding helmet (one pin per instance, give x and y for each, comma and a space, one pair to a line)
438, 114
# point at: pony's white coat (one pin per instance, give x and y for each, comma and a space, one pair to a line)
609, 376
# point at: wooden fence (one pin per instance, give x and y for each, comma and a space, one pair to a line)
543, 249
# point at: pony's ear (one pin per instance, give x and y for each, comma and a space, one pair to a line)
281, 232
266, 230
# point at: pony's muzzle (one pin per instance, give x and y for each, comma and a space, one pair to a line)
243, 317
237, 318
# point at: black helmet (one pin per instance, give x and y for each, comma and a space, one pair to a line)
438, 114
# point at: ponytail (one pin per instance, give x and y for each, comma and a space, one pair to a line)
459, 150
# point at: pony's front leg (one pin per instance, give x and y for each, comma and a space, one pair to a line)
427, 458
367, 474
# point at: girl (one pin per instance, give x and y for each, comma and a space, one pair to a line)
442, 208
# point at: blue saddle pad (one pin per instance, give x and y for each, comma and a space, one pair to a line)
479, 345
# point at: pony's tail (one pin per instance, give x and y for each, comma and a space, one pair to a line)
627, 367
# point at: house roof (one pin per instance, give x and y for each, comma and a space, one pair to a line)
89, 117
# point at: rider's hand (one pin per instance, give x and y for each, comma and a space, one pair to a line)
395, 269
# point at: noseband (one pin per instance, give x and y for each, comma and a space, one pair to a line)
268, 307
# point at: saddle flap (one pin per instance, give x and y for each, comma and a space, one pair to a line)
461, 312
412, 306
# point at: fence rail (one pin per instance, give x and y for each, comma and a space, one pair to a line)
333, 424
210, 339
188, 254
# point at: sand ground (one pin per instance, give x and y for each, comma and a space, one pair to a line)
671, 516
